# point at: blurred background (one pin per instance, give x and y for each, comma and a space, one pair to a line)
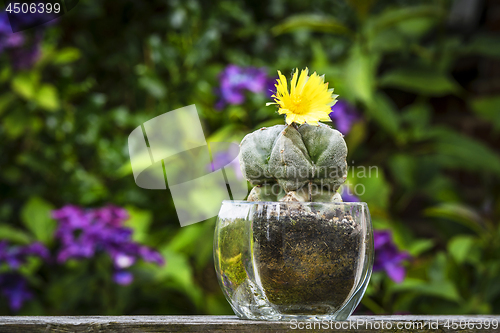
419, 86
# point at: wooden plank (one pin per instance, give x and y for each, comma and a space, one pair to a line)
400, 324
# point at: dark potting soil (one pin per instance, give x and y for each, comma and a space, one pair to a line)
307, 260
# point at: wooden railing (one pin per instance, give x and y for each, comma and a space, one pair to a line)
400, 324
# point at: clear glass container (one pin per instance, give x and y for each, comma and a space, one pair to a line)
293, 260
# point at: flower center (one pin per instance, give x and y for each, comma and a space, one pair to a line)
299, 105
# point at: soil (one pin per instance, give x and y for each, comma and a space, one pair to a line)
307, 260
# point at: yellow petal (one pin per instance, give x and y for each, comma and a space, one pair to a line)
309, 99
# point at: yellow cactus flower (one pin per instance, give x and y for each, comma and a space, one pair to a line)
308, 101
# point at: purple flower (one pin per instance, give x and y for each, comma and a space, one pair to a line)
344, 115
15, 256
234, 81
14, 287
36, 249
347, 195
387, 256
122, 260
271, 86
25, 57
123, 278
23, 51
76, 232
150, 255
226, 159
111, 215
8, 39
84, 233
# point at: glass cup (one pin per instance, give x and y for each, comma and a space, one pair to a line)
293, 260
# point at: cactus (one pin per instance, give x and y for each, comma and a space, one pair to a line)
294, 163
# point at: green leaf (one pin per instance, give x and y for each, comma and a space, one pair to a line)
153, 86
139, 220
320, 58
457, 213
177, 268
311, 22
488, 109
25, 84
14, 124
417, 117
383, 111
416, 27
178, 274
186, 237
14, 235
66, 55
35, 216
420, 246
457, 151
30, 268
5, 100
362, 7
441, 289
230, 133
403, 169
487, 45
387, 41
371, 186
359, 74
424, 81
393, 17
356, 135
5, 74
47, 97
236, 114
459, 247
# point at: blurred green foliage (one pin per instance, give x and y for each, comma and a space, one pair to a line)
108, 66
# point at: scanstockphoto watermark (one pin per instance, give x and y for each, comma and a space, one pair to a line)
170, 151
27, 14
409, 325
309, 171
314, 187
317, 180
359, 324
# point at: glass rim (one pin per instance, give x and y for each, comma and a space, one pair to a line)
304, 203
